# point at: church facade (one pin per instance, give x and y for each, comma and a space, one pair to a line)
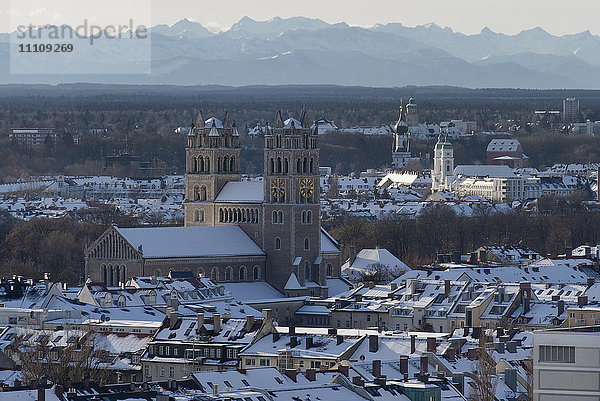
268, 230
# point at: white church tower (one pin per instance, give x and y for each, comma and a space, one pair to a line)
442, 175
401, 147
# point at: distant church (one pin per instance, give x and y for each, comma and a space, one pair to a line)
235, 231
442, 175
401, 153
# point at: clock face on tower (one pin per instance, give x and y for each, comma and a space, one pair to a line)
306, 187
278, 188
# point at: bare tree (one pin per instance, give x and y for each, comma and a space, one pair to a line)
484, 376
74, 356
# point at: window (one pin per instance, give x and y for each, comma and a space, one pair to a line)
256, 274
306, 244
242, 273
147, 370
228, 273
162, 372
368, 318
557, 353
171, 371
250, 362
277, 243
265, 362
329, 270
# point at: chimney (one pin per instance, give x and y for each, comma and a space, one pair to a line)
41, 394
380, 381
569, 253
499, 331
511, 346
450, 354
217, 323
376, 368
344, 369
276, 336
510, 378
582, 301
446, 288
373, 343
413, 344
476, 332
525, 289
292, 330
200, 323
561, 307
249, 322
267, 314
293, 341
351, 254
291, 373
339, 339
472, 354
404, 364
173, 317
424, 364
215, 390
526, 305
393, 286
431, 344
590, 281
309, 342
311, 375
499, 346
358, 381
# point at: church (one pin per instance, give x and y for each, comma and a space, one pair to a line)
235, 230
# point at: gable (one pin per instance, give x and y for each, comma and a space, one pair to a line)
112, 245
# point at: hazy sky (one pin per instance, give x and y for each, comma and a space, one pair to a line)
467, 16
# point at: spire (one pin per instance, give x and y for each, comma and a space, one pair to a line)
200, 120
278, 120
226, 122
303, 121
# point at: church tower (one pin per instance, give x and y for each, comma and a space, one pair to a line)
412, 113
401, 147
442, 176
292, 221
212, 158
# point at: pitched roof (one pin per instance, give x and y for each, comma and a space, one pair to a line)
242, 192
181, 242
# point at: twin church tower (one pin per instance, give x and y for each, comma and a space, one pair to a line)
281, 213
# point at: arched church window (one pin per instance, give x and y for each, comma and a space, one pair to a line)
306, 244
256, 274
196, 192
207, 164
329, 269
272, 166
194, 164
298, 166
279, 164
214, 274
243, 273
311, 165
225, 163
203, 193
305, 165
307, 271
275, 221
286, 166
280, 216
277, 243
308, 217
199, 215
201, 163
232, 164
219, 165
157, 273
228, 273
304, 217
200, 272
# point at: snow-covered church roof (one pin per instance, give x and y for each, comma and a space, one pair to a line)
186, 242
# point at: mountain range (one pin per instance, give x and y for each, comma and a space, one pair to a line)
301, 50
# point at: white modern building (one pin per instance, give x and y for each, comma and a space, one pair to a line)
566, 364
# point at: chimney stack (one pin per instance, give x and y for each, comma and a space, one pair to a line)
373, 343
267, 314
309, 342
200, 317
424, 364
293, 341
582, 301
413, 344
344, 369
311, 375
446, 288
561, 307
41, 394
291, 373
431, 344
404, 364
339, 339
217, 323
393, 286
249, 322
590, 281
376, 368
